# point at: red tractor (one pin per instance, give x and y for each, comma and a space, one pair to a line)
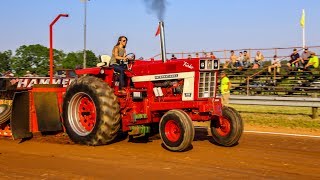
163, 95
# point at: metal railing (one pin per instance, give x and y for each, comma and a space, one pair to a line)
313, 102
281, 52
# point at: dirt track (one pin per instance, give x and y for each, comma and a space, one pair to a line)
256, 156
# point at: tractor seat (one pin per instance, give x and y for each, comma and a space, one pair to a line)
105, 61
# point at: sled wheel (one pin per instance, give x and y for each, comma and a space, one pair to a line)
176, 130
5, 113
91, 112
228, 130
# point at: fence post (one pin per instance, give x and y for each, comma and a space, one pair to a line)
314, 109
248, 85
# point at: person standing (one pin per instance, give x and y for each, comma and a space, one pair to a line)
118, 58
225, 88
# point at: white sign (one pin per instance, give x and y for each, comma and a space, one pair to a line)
29, 82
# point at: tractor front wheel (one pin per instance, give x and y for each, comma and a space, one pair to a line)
228, 130
91, 112
176, 130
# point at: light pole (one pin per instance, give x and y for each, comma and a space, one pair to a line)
51, 43
85, 35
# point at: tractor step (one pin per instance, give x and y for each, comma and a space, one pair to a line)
139, 130
139, 116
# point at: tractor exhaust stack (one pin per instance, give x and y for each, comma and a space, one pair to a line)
162, 42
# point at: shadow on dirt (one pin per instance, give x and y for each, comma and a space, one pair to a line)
186, 150
201, 134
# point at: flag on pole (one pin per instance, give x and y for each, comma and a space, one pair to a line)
158, 31
302, 20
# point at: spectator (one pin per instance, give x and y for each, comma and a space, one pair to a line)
78, 66
212, 56
205, 55
232, 60
8, 74
275, 64
294, 59
225, 88
258, 60
313, 62
239, 60
28, 74
34, 74
189, 56
173, 57
197, 55
48, 73
305, 57
246, 59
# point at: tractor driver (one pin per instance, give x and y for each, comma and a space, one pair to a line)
118, 58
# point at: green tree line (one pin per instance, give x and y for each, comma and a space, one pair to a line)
35, 58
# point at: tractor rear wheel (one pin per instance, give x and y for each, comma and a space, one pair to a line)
91, 112
228, 130
176, 130
5, 112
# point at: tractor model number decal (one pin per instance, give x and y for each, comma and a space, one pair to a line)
168, 76
190, 66
187, 94
29, 82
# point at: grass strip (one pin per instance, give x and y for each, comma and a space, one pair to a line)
278, 116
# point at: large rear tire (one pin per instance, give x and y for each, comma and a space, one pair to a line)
91, 112
176, 130
5, 113
228, 132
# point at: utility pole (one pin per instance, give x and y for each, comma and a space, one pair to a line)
85, 35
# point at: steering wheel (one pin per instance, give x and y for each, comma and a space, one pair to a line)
131, 57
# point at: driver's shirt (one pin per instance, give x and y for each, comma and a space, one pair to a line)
121, 53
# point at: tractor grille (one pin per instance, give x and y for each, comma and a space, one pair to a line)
207, 84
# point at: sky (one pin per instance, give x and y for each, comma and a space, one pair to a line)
190, 25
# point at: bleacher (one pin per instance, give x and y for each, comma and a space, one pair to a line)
286, 83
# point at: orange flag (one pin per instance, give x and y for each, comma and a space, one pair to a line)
158, 31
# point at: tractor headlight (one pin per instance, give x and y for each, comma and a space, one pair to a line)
209, 64
202, 64
216, 64
101, 71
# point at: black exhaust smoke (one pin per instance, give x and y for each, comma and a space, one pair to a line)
157, 6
